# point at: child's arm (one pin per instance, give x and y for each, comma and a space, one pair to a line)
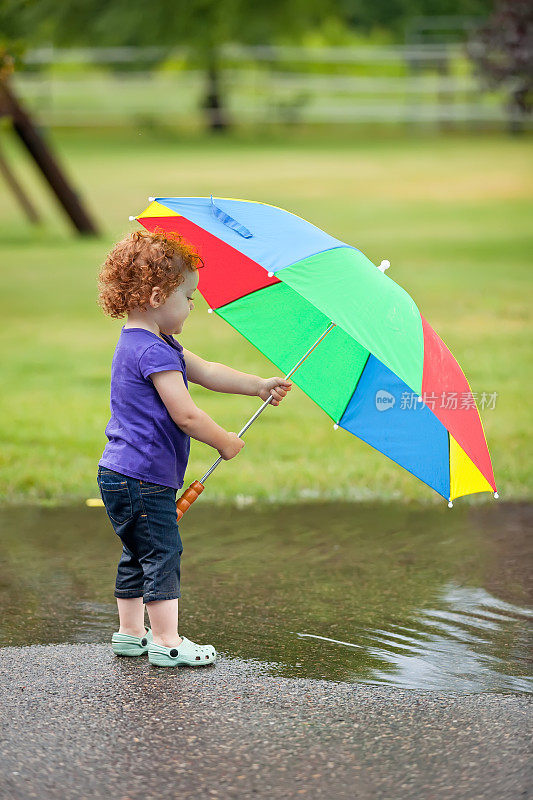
191, 419
221, 378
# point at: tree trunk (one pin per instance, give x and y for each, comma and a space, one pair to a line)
216, 116
519, 110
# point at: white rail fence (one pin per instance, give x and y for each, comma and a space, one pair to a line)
431, 84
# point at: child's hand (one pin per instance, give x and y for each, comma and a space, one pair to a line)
233, 446
277, 387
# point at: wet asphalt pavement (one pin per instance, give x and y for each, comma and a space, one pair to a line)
77, 722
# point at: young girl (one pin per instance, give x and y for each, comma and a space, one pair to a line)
151, 278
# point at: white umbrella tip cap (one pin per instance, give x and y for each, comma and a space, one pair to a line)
132, 219
151, 199
450, 504
496, 495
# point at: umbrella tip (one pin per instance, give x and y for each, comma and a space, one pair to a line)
385, 264
496, 495
131, 219
209, 310
335, 427
270, 274
151, 199
450, 504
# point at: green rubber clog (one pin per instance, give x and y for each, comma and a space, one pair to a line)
125, 645
187, 654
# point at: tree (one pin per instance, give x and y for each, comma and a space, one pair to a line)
503, 52
202, 25
394, 15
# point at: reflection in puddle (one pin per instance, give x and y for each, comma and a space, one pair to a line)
391, 594
453, 648
327, 639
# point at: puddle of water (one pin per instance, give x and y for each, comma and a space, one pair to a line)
380, 594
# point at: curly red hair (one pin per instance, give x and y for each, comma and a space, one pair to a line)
138, 263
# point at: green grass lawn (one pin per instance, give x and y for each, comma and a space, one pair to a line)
453, 215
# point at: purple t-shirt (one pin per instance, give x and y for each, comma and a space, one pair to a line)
144, 441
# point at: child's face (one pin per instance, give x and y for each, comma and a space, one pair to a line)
171, 315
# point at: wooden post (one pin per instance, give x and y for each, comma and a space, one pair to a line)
18, 191
41, 154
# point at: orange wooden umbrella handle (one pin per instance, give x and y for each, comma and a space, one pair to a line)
188, 497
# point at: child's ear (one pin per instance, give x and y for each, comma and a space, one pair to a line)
155, 297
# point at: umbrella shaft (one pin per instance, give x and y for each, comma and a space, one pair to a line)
266, 403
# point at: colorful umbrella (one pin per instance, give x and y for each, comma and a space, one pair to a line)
381, 372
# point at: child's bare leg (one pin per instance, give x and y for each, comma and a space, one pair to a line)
131, 615
164, 622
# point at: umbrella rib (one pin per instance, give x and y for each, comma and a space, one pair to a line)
354, 388
267, 402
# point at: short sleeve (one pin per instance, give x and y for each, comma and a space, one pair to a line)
157, 358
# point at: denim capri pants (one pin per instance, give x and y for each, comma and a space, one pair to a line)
144, 516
